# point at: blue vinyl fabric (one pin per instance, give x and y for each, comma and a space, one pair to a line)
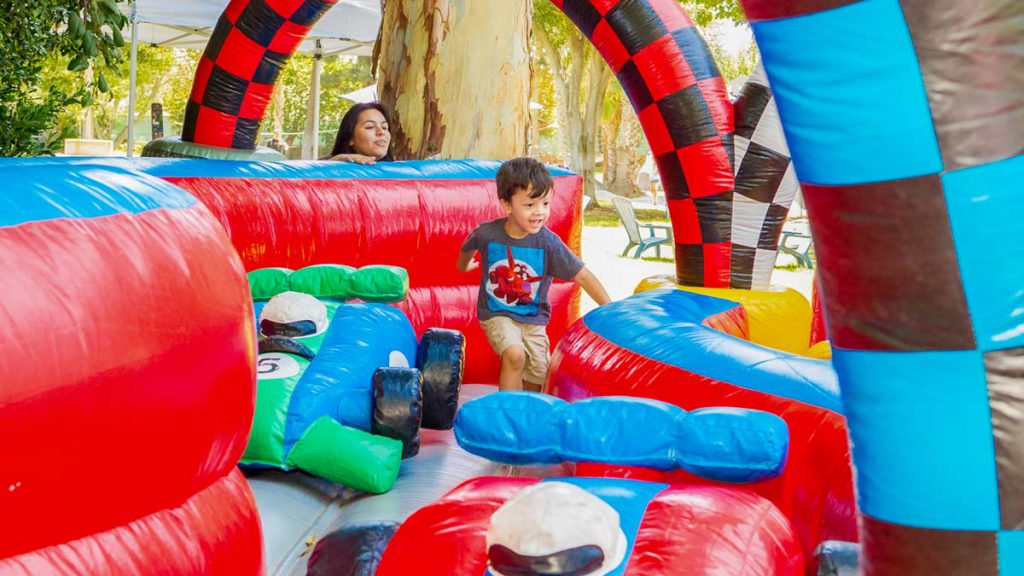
849, 90
896, 404
339, 382
656, 323
37, 189
855, 107
309, 169
986, 210
723, 444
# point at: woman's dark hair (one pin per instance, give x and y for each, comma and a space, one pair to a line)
348, 127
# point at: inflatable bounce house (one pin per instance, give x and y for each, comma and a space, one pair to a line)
171, 318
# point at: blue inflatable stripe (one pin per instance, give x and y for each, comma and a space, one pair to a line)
411, 170
47, 189
339, 382
665, 325
986, 210
721, 444
909, 411
849, 90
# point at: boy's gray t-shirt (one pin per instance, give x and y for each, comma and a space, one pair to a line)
517, 272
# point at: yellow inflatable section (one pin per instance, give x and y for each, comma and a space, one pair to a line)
779, 318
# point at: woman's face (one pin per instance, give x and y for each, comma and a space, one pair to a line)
372, 135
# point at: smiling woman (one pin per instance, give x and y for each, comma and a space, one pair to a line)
364, 135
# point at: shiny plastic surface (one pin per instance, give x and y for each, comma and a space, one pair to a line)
635, 346
250, 45
725, 532
679, 96
778, 318
129, 363
729, 445
906, 119
409, 214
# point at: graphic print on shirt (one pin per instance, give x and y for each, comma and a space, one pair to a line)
514, 278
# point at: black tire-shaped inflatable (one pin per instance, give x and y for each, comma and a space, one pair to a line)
354, 551
440, 358
398, 407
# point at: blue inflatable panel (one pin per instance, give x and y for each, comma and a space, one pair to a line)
734, 445
410, 170
656, 323
45, 189
723, 444
359, 339
986, 210
895, 400
627, 431
517, 428
876, 128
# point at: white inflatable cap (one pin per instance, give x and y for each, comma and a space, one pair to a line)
290, 307
551, 517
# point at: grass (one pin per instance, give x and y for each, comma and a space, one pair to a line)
606, 217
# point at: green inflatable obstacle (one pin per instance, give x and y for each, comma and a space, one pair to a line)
318, 357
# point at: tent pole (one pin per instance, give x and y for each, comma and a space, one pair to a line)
133, 65
311, 137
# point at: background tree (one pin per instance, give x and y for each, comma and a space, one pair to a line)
580, 77
704, 12
77, 33
624, 146
456, 74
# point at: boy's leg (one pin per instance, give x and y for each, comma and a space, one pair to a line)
506, 338
513, 359
537, 348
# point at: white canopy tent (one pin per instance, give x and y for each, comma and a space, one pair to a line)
350, 28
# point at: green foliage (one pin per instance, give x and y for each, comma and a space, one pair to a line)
704, 12
338, 75
38, 36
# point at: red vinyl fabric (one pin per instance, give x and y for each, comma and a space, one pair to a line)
128, 393
815, 491
416, 224
680, 98
691, 530
249, 46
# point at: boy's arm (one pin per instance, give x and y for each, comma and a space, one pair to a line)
466, 261
592, 286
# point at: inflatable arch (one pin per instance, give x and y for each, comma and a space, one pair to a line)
659, 58
906, 124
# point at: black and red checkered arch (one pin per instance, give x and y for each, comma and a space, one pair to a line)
236, 74
679, 95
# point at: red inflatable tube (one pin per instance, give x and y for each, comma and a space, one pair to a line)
416, 224
815, 490
693, 530
128, 394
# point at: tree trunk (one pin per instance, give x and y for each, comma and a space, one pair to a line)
581, 78
456, 75
623, 136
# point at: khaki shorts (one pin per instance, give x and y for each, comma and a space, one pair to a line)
503, 332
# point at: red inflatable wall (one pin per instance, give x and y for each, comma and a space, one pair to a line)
418, 224
128, 382
815, 491
685, 530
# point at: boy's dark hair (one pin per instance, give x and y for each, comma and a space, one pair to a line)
520, 173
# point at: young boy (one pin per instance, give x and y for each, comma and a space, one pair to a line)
519, 257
